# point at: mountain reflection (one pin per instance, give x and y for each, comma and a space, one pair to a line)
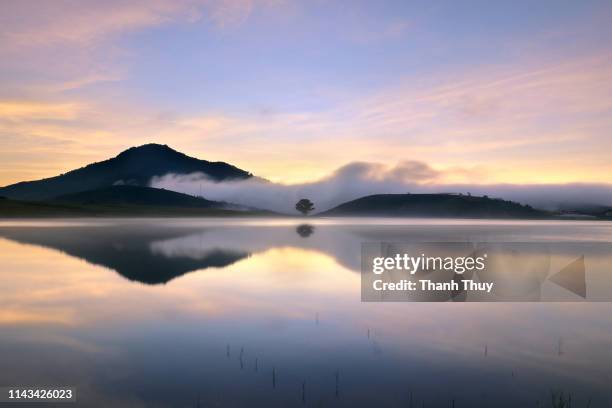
131, 251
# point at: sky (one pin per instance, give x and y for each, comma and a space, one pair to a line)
480, 92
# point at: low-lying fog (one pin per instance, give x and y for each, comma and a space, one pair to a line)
359, 179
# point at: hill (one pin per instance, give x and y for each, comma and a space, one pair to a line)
133, 195
135, 166
434, 205
42, 209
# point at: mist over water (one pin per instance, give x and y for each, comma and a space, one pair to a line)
360, 179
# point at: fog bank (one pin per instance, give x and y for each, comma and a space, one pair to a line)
360, 179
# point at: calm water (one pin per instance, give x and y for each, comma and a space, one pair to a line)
193, 313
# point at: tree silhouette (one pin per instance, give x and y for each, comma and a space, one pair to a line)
304, 206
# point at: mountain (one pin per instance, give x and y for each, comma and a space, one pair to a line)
434, 205
134, 195
135, 166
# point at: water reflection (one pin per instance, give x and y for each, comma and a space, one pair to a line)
138, 253
305, 230
152, 253
281, 323
157, 252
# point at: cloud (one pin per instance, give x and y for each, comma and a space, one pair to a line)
348, 182
64, 45
79, 82
43, 23
360, 179
22, 110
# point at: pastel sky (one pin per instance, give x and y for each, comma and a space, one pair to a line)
483, 91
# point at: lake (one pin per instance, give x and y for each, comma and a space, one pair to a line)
268, 312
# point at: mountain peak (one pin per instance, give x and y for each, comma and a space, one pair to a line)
149, 148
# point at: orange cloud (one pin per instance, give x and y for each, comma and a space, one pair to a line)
37, 110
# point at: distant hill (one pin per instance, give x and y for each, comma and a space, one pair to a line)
134, 195
43, 209
135, 166
434, 205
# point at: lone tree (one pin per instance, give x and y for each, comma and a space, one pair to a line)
304, 206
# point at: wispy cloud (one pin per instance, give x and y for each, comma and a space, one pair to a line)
24, 110
38, 24
43, 23
64, 45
